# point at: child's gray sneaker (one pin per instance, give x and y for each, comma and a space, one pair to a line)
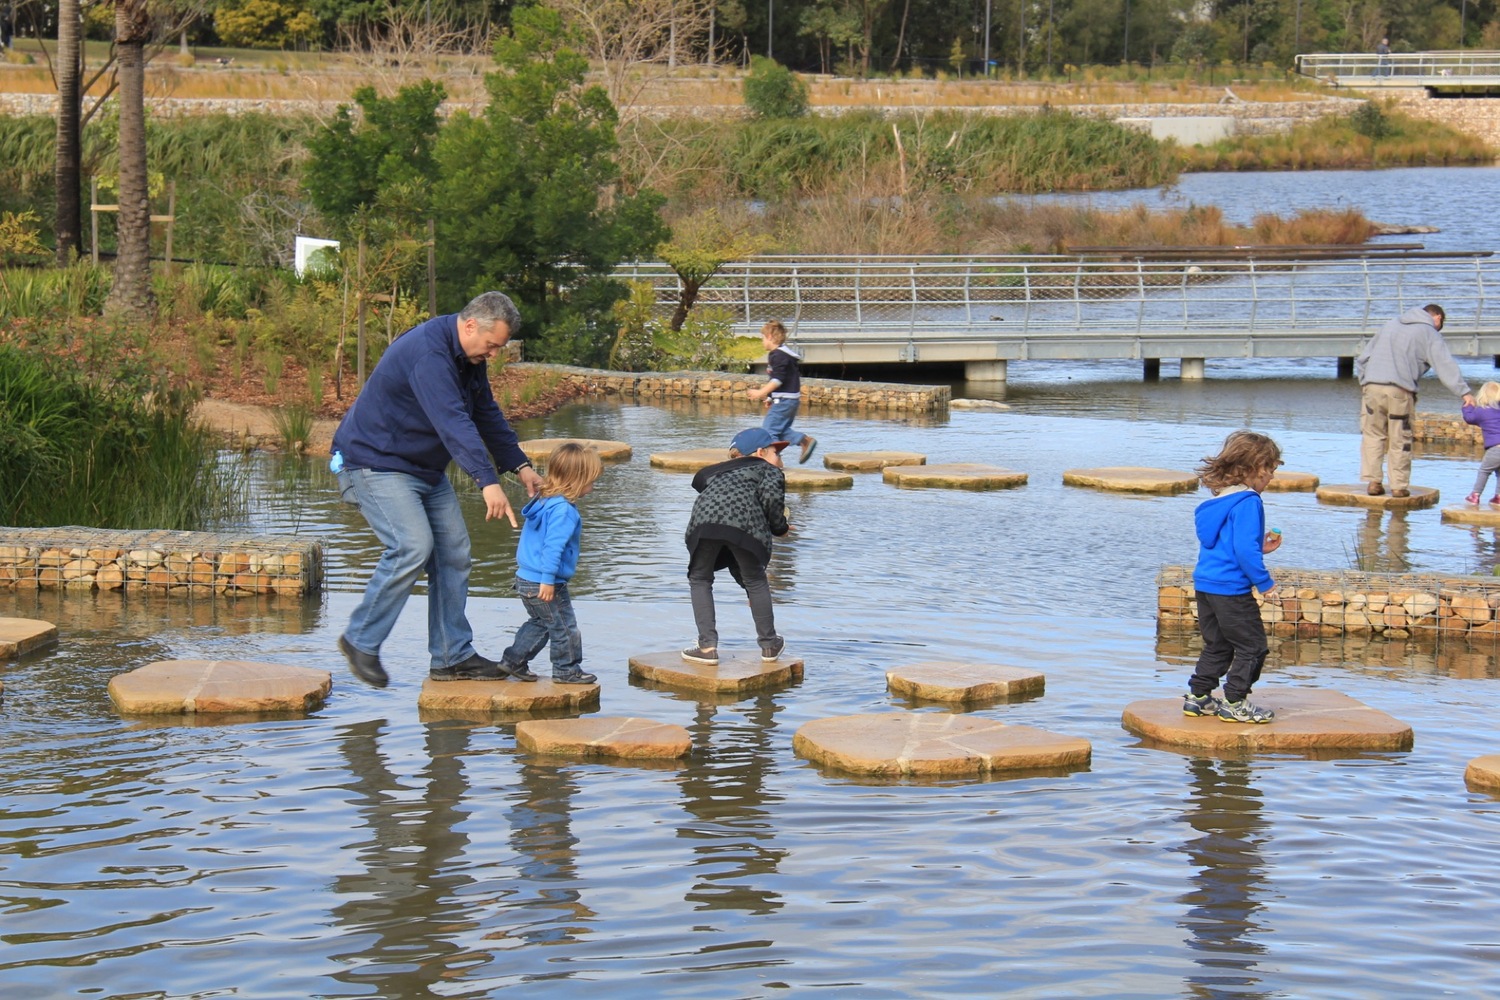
1200, 704
574, 676
770, 650
697, 654
1243, 711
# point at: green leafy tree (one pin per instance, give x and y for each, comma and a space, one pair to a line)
527, 195
773, 91
700, 245
265, 24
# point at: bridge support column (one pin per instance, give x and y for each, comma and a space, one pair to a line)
984, 371
1346, 368
1151, 369
1192, 369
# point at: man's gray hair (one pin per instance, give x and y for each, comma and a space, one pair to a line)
490, 308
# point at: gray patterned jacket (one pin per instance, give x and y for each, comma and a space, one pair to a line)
741, 501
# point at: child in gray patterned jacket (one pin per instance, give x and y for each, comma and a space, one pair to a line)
741, 504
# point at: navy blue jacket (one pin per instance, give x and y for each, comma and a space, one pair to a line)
426, 404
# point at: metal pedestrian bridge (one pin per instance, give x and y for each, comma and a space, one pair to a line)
1192, 305
1452, 73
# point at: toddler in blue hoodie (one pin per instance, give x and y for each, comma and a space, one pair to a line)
546, 557
1232, 540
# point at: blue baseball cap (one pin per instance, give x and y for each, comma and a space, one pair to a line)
753, 439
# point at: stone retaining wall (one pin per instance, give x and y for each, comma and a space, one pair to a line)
1441, 428
178, 562
1478, 116
1328, 603
817, 393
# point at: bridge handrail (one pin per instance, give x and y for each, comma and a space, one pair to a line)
986, 295
1439, 65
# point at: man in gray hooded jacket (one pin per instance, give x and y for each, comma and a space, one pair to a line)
1388, 369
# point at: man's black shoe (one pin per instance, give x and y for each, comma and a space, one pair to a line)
475, 668
365, 666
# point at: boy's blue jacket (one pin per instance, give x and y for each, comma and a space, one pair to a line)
548, 551
1231, 530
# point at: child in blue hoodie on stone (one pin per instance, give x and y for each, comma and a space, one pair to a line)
546, 557
1232, 541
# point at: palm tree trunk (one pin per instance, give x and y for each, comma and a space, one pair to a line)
131, 292
68, 218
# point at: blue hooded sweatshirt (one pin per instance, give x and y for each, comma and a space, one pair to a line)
1231, 529
548, 550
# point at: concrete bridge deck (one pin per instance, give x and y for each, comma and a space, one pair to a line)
986, 311
1449, 73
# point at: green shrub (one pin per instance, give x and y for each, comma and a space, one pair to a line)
773, 91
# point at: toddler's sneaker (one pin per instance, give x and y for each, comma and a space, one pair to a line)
770, 651
1243, 711
697, 654
1473, 500
1495, 500
1200, 704
521, 672
574, 676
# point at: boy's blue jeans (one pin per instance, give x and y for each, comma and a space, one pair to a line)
778, 422
422, 528
1234, 644
547, 622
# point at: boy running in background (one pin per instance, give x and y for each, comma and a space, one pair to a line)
783, 390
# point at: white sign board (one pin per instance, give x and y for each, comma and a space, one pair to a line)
307, 248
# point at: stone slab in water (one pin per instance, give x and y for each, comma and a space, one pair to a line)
817, 479
963, 682
1132, 479
979, 404
735, 674
933, 744
1484, 773
180, 687
19, 636
603, 736
1357, 495
1484, 515
954, 476
689, 461
507, 696
609, 451
1292, 482
871, 461
1305, 720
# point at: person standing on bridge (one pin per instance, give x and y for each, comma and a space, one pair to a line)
1383, 58
1388, 368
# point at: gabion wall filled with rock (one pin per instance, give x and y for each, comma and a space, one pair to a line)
1443, 428
817, 393
186, 562
1314, 603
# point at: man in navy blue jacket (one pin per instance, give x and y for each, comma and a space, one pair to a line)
428, 402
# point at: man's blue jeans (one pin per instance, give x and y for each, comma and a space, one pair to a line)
547, 623
778, 422
423, 530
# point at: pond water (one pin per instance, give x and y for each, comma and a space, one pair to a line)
370, 850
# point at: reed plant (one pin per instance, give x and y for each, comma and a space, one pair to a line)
293, 426
85, 446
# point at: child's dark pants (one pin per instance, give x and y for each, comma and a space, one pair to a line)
1234, 643
711, 555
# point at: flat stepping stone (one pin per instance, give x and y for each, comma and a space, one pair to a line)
1292, 482
1484, 514
603, 736
817, 479
978, 404
935, 745
954, 476
689, 461
1484, 773
1356, 495
735, 674
19, 636
609, 451
1305, 720
201, 687
963, 682
507, 696
871, 461
1132, 479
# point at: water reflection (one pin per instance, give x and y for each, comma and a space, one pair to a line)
1230, 887
552, 910
1368, 654
1383, 544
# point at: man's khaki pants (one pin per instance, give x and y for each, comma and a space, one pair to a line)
1385, 430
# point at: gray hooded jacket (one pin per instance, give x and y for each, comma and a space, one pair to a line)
1403, 351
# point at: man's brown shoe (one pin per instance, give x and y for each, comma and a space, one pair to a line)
1376, 489
1400, 494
